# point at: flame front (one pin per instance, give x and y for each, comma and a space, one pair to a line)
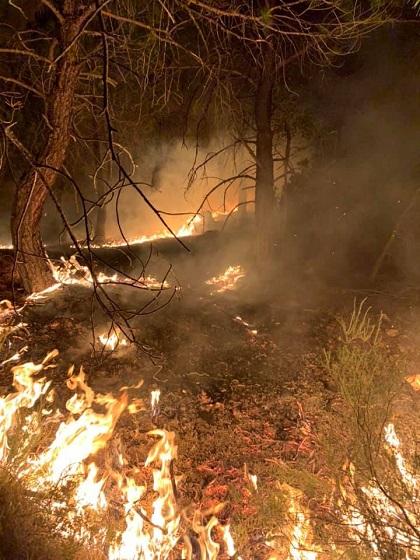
191, 227
152, 531
156, 538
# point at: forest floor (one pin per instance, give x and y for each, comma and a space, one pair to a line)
244, 388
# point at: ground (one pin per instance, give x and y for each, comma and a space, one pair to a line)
243, 386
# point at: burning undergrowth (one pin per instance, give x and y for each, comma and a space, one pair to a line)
271, 439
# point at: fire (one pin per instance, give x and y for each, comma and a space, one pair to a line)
160, 537
296, 542
154, 401
228, 280
191, 227
229, 542
151, 531
112, 340
70, 271
28, 392
398, 519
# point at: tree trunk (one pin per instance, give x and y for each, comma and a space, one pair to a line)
32, 189
264, 179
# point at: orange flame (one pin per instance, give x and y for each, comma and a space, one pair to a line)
228, 280
149, 535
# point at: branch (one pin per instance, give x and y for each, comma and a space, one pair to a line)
22, 85
111, 130
54, 10
26, 53
83, 22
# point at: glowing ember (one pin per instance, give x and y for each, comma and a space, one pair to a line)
414, 381
228, 280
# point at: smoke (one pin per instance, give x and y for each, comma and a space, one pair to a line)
352, 199
164, 175
341, 212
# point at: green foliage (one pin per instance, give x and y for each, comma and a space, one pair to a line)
360, 326
266, 16
10, 325
265, 514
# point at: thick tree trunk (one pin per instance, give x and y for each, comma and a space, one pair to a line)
264, 181
32, 189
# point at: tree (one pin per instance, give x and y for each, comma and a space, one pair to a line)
67, 63
67, 68
253, 44
39, 178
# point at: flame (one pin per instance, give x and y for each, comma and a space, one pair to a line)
157, 538
390, 514
191, 227
70, 272
227, 280
154, 401
111, 341
301, 534
229, 542
151, 531
28, 392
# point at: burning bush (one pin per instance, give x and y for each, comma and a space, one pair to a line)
377, 491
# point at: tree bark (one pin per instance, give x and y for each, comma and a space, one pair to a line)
264, 180
33, 187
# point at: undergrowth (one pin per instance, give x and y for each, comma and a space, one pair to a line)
375, 498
